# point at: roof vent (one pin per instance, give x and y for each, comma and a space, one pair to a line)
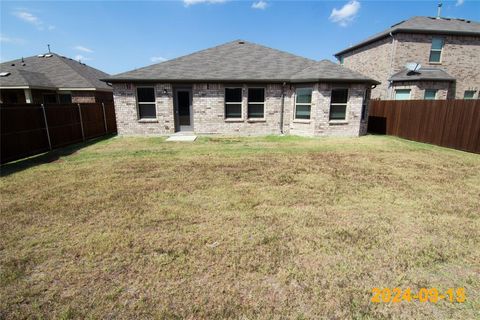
48, 55
4, 74
13, 64
41, 55
241, 42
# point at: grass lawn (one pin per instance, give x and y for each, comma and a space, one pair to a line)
271, 227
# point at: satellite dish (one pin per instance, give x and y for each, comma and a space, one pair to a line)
413, 66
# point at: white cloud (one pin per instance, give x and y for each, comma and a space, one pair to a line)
157, 59
188, 3
346, 14
84, 49
262, 5
6, 39
79, 57
32, 19
459, 2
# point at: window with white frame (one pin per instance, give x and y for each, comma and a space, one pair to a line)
430, 94
303, 103
366, 99
146, 103
256, 103
233, 103
402, 94
436, 50
338, 104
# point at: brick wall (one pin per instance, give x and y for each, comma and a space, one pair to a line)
209, 111
445, 89
375, 61
459, 58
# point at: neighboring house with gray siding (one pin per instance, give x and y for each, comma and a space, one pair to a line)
52, 78
448, 51
242, 88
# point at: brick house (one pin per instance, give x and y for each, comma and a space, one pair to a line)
51, 78
242, 88
448, 51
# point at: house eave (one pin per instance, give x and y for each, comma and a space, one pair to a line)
307, 80
422, 79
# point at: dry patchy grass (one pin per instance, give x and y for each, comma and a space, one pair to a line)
273, 227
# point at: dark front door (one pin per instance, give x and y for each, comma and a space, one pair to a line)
184, 108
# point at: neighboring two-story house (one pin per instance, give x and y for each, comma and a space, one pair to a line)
52, 78
443, 56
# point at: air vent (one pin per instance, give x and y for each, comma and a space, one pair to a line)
4, 74
241, 42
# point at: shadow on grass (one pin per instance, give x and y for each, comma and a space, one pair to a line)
47, 157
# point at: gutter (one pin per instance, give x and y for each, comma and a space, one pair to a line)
392, 55
297, 81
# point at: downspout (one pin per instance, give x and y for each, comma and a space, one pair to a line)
282, 107
392, 55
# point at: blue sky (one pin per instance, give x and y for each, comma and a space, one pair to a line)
117, 36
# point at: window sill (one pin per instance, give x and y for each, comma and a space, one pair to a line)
148, 120
338, 122
302, 121
435, 63
234, 120
257, 120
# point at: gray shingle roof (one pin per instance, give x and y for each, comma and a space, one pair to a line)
430, 74
239, 61
326, 70
429, 25
52, 72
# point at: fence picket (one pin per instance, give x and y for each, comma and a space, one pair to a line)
448, 123
29, 129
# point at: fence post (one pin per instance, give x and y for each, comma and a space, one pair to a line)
104, 118
81, 121
46, 126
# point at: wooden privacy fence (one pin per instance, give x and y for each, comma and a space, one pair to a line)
447, 123
29, 129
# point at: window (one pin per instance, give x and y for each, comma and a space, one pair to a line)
430, 94
338, 104
340, 59
256, 102
436, 50
469, 94
303, 103
366, 99
233, 103
50, 98
65, 98
146, 103
402, 94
